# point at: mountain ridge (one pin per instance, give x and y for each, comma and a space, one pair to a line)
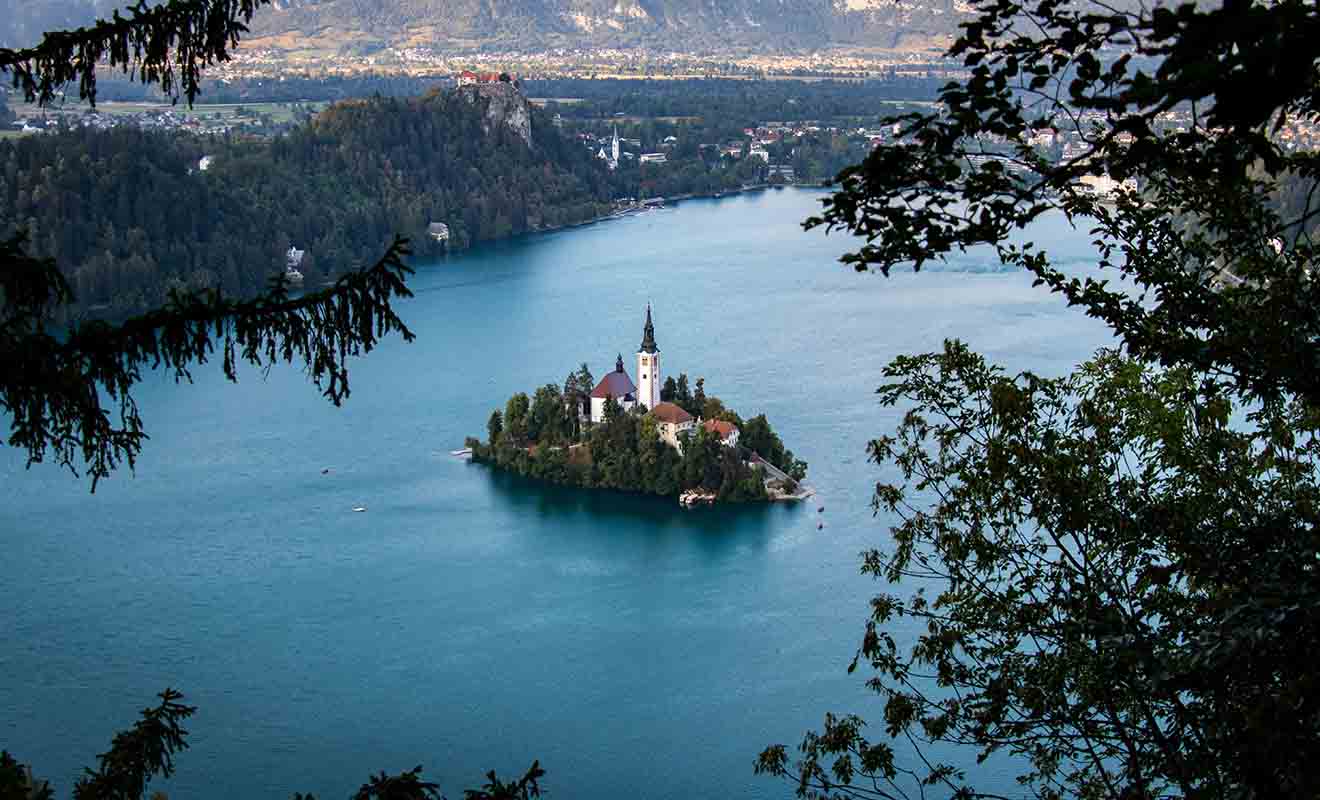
673, 24
682, 25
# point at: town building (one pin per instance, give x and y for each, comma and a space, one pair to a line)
612, 157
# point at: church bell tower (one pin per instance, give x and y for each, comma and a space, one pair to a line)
648, 366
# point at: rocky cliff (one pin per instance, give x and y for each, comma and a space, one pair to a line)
504, 105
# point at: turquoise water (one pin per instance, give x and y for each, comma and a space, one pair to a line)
469, 620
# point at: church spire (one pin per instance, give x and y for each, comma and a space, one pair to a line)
618, 363
648, 334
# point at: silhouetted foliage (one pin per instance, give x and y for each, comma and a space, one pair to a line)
525, 788
404, 786
166, 44
147, 751
17, 783
1113, 574
139, 753
56, 382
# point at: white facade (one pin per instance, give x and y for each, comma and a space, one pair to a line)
671, 422
598, 407
619, 385
648, 378
726, 431
670, 432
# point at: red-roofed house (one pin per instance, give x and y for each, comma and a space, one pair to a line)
727, 431
672, 421
467, 77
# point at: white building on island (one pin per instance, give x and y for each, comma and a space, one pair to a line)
672, 422
619, 385
615, 384
726, 431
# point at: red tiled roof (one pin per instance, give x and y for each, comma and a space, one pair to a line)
718, 426
668, 412
614, 384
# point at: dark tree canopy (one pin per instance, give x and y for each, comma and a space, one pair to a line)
1114, 573
146, 751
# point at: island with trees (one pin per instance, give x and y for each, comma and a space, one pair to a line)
666, 438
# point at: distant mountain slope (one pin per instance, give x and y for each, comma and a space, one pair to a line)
678, 24
686, 25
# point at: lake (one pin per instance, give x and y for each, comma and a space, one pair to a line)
468, 620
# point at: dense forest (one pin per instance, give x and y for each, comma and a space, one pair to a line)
543, 437
151, 218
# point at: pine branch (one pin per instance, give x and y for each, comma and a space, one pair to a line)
167, 44
139, 753
57, 388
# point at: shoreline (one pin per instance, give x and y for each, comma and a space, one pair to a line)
663, 203
698, 497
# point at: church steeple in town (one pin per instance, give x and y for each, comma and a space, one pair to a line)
648, 334
618, 363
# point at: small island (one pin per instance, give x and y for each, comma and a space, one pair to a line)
654, 436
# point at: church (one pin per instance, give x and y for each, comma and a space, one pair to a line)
672, 421
619, 385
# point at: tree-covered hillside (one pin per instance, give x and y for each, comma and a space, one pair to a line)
150, 219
